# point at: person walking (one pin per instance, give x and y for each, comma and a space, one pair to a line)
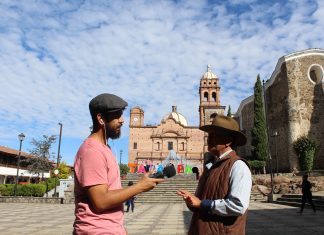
131, 201
99, 195
307, 194
223, 193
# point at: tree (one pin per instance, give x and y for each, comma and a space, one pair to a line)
229, 111
259, 130
64, 171
41, 160
306, 147
124, 169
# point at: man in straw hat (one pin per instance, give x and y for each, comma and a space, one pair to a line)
223, 193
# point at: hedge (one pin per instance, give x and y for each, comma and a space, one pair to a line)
257, 166
28, 190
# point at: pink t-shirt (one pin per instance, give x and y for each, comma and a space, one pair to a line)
96, 164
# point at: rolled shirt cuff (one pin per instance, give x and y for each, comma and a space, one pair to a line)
206, 205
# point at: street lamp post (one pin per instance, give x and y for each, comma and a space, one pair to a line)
21, 138
58, 158
275, 135
120, 156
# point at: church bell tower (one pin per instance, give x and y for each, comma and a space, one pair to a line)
209, 91
136, 117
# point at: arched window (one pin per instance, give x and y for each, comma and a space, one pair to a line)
214, 96
206, 96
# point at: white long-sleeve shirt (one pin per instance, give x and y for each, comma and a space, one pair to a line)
237, 201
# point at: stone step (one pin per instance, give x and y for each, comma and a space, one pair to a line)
166, 192
167, 184
166, 197
132, 176
256, 196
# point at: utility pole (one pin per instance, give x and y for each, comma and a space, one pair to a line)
120, 156
58, 158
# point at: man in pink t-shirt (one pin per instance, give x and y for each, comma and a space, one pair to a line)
99, 195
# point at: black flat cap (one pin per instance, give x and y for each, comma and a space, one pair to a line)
106, 103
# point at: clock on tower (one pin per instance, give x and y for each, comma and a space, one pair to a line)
136, 117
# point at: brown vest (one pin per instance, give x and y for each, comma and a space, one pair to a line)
214, 184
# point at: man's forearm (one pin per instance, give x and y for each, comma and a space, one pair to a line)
103, 199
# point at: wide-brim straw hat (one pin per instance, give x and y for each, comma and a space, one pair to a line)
228, 126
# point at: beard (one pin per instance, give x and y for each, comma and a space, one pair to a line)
112, 133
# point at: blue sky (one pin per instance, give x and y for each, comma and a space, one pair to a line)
56, 55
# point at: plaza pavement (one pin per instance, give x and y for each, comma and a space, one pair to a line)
170, 219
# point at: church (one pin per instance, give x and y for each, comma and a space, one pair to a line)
294, 104
173, 139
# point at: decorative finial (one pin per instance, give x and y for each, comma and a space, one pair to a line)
208, 68
174, 108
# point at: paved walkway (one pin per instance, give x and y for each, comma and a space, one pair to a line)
170, 219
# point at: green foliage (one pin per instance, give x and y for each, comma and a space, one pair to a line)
64, 171
42, 147
34, 190
6, 189
26, 190
41, 161
229, 111
50, 183
124, 169
305, 143
259, 134
306, 147
257, 166
38, 165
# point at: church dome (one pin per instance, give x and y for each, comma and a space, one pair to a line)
209, 74
179, 118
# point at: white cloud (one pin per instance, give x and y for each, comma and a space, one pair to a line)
55, 57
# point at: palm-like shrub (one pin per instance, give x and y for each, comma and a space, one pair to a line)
306, 147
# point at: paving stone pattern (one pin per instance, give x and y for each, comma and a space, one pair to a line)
171, 219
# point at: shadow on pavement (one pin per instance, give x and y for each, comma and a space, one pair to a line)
278, 221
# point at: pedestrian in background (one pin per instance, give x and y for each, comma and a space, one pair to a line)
307, 194
131, 201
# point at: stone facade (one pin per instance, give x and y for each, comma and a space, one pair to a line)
294, 102
154, 143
